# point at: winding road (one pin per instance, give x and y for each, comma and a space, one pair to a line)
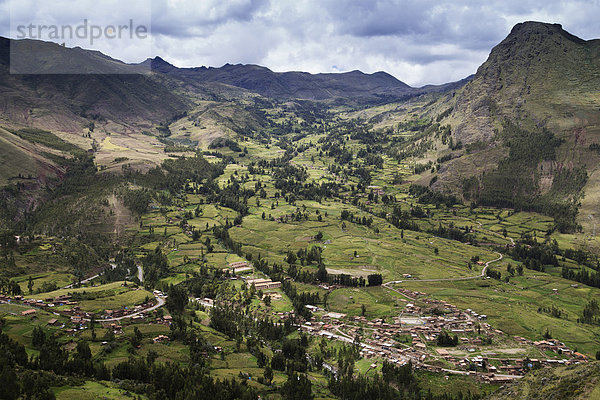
91, 278
140, 274
160, 303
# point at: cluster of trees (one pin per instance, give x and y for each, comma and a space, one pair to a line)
492, 273
533, 254
349, 216
444, 339
225, 142
300, 299
171, 380
375, 279
10, 287
401, 219
453, 233
590, 313
137, 200
425, 195
554, 311
156, 266
582, 275
395, 383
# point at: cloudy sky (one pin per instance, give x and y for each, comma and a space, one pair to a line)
419, 42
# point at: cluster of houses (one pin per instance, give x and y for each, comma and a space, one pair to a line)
263, 284
43, 304
412, 336
64, 306
137, 313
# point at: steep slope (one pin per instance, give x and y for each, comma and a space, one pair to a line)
535, 76
68, 102
539, 78
560, 383
25, 162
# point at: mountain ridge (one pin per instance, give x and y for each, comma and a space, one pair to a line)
539, 77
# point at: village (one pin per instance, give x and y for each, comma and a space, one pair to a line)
413, 337
74, 319
481, 350
471, 347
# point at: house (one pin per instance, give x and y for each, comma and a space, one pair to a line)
53, 322
161, 339
28, 313
273, 296
262, 284
207, 302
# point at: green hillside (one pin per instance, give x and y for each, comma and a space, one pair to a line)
575, 382
241, 233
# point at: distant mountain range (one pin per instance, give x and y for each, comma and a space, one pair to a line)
138, 94
539, 77
354, 85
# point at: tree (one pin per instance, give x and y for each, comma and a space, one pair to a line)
151, 357
363, 310
278, 361
83, 351
38, 337
297, 387
444, 339
319, 236
9, 387
30, 285
136, 339
375, 279
322, 273
268, 374
177, 299
291, 257
267, 301
93, 327
510, 270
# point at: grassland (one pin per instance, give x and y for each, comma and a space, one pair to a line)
92, 390
181, 225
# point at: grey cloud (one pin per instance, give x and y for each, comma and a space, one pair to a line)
188, 18
418, 41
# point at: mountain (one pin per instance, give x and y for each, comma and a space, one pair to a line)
536, 95
354, 86
123, 98
537, 73
109, 91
